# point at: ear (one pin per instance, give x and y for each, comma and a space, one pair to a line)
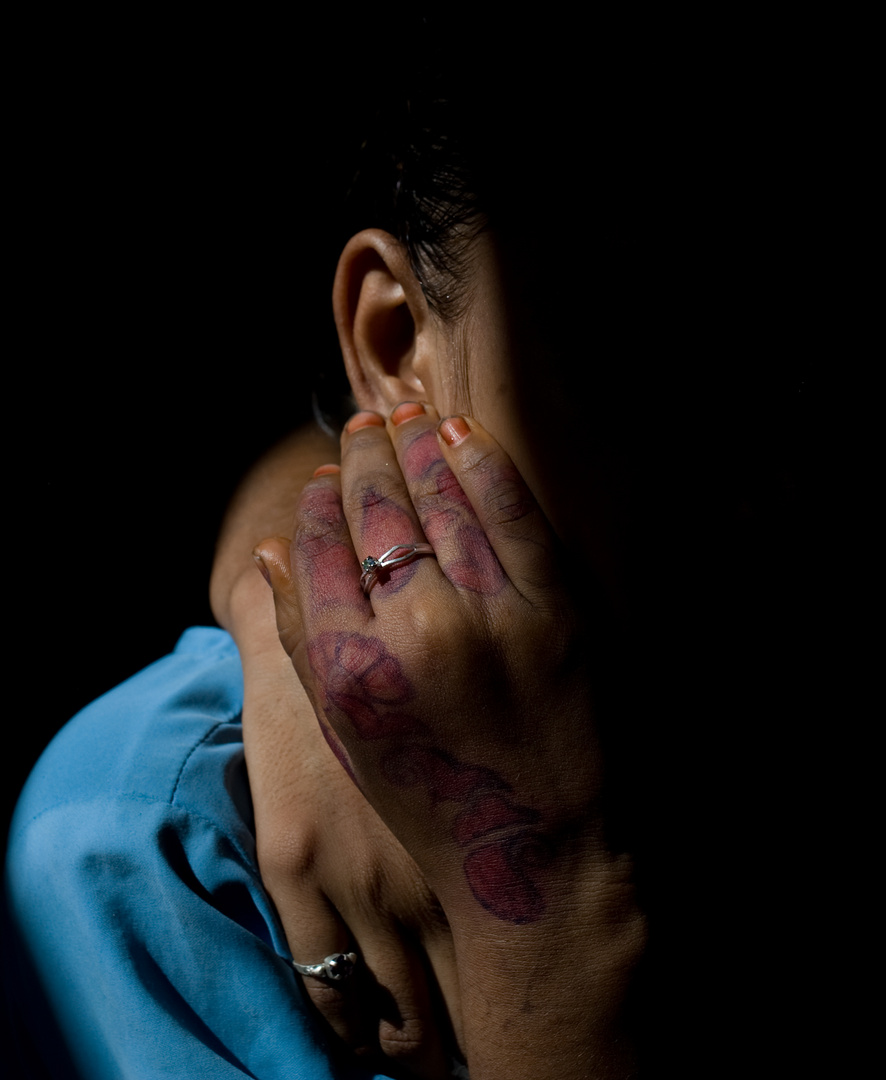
384, 323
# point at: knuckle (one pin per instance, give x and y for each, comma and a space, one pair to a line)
320, 522
314, 544
348, 1018
435, 491
426, 626
506, 502
284, 857
439, 501
368, 889
377, 487
389, 889
406, 1039
503, 498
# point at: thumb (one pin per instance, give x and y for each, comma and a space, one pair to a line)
272, 559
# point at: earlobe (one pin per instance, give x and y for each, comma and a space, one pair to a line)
382, 319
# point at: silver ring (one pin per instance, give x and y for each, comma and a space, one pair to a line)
398, 555
336, 967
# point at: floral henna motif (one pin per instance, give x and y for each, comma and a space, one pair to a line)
503, 877
443, 776
364, 684
502, 874
489, 812
422, 456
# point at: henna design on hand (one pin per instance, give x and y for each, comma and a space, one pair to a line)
320, 539
479, 571
490, 812
503, 876
384, 523
422, 455
446, 509
363, 683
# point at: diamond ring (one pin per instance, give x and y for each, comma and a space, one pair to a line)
398, 555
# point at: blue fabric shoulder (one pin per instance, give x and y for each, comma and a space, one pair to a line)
148, 946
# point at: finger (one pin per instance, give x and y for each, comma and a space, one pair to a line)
412, 1025
377, 506
407, 946
314, 929
273, 559
325, 573
315, 932
465, 555
440, 951
506, 509
388, 1006
273, 562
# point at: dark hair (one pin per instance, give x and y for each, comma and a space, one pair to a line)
606, 206
409, 147
416, 172
414, 179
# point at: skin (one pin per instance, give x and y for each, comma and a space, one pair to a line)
338, 877
436, 693
459, 689
455, 704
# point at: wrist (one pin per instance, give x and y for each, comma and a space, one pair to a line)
590, 903
562, 981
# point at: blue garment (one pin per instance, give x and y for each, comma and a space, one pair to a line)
134, 891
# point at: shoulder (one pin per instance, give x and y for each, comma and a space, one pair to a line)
137, 737
133, 888
168, 738
163, 750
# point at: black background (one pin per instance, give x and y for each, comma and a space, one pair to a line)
172, 259
173, 226
173, 231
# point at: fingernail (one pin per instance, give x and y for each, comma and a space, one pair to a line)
327, 470
453, 429
262, 569
406, 410
364, 419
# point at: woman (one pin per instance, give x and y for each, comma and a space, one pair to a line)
399, 346
525, 707
485, 695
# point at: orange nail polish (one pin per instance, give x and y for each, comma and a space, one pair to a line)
362, 420
453, 429
406, 410
327, 470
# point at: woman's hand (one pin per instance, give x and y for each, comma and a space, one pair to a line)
338, 878
456, 694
